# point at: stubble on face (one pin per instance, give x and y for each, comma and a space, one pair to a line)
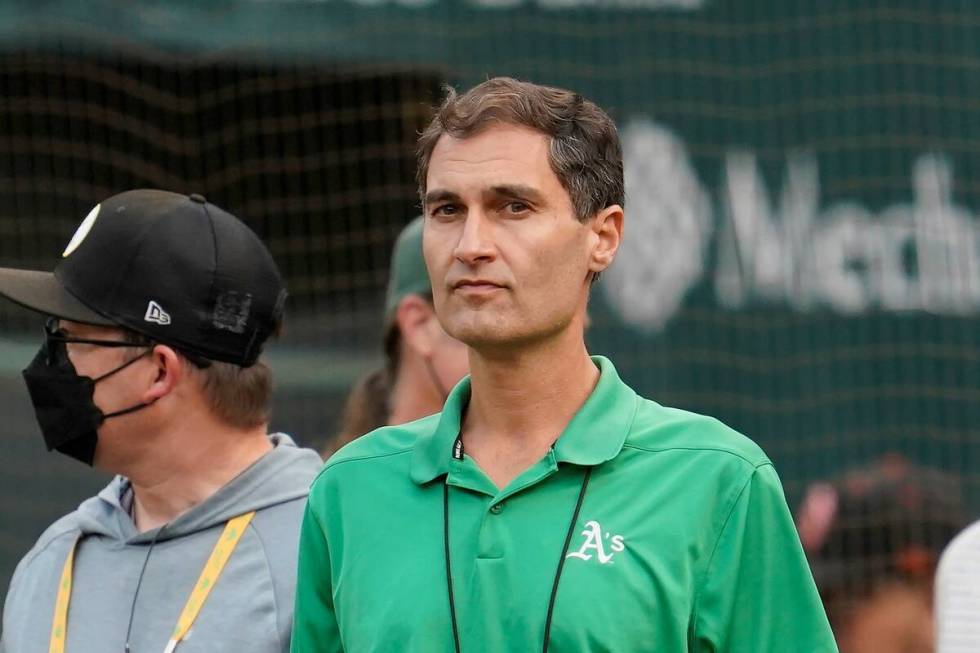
506, 255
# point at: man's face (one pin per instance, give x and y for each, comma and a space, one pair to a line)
115, 392
89, 359
508, 260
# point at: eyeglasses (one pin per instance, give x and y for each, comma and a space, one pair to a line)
54, 334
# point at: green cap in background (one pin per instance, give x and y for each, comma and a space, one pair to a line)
408, 274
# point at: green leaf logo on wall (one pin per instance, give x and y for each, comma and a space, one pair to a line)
917, 256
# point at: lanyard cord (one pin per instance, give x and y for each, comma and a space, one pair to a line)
449, 567
561, 558
561, 561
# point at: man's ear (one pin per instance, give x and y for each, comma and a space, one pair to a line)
168, 368
414, 316
608, 229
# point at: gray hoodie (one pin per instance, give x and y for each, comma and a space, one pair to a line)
249, 609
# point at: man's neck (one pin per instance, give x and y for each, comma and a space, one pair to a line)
414, 394
521, 402
179, 481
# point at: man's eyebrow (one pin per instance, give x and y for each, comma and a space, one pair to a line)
440, 195
518, 191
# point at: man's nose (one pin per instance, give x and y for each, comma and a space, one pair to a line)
475, 243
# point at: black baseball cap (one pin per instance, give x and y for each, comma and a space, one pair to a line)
172, 267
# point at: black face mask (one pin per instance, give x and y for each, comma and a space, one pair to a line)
63, 400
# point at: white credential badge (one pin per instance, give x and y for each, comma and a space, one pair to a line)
82, 231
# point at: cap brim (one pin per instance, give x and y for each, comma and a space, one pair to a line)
42, 292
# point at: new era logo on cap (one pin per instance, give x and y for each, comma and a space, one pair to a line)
221, 302
155, 313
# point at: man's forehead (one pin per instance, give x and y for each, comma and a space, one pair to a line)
499, 143
498, 157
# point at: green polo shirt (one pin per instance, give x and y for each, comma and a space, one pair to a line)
683, 541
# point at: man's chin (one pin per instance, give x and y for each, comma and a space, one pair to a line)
494, 339
480, 335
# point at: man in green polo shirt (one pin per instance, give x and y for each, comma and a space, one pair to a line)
548, 507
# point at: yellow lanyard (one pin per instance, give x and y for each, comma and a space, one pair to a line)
222, 550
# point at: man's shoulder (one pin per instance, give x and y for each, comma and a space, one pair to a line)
51, 548
658, 428
35, 581
379, 445
374, 460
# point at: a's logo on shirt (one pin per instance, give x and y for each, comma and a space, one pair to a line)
598, 543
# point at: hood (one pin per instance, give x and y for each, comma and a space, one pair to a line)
284, 474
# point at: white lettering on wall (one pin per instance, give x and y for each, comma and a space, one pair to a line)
667, 230
921, 256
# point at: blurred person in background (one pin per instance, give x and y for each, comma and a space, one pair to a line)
958, 594
158, 312
873, 538
422, 362
548, 507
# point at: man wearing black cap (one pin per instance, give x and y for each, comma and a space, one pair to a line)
149, 369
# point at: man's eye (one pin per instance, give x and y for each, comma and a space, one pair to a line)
517, 207
445, 210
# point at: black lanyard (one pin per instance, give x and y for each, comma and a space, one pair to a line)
561, 561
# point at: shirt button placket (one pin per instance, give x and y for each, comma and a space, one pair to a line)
493, 533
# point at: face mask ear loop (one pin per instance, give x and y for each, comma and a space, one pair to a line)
131, 409
121, 367
125, 411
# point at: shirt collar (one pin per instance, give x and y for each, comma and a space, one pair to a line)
594, 435
434, 451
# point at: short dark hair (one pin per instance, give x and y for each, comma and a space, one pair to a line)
584, 149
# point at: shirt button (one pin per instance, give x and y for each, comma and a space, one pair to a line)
497, 508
